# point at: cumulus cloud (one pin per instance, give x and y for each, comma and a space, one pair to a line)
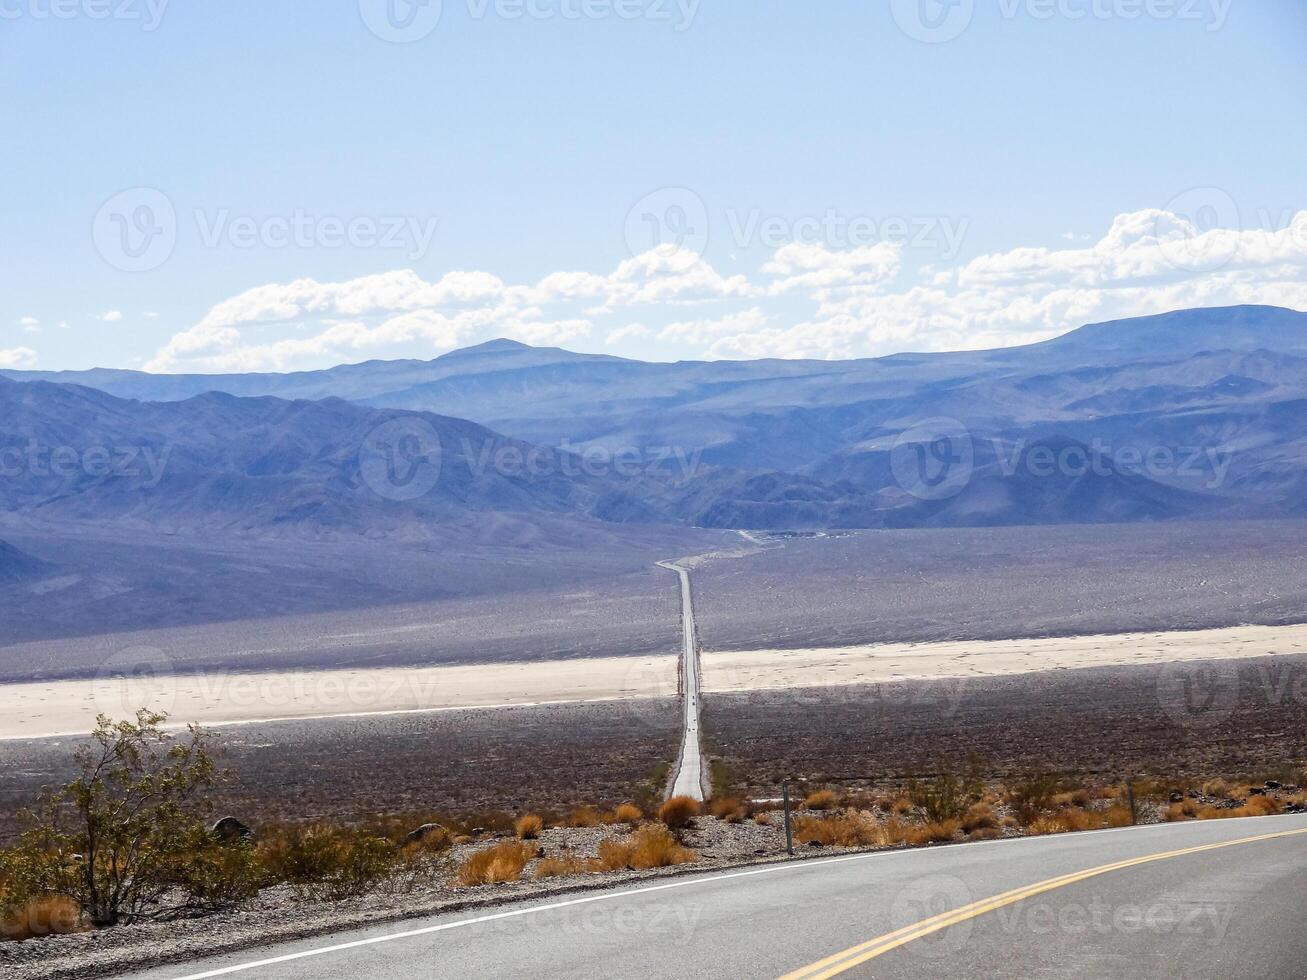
857, 300
17, 357
628, 332
110, 316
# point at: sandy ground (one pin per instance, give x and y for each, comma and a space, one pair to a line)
70, 707
753, 670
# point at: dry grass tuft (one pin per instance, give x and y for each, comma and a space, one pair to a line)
628, 813
729, 809
528, 826
979, 817
762, 819
585, 816
1216, 788
938, 832
51, 915
678, 811
822, 799
649, 847
503, 862
557, 867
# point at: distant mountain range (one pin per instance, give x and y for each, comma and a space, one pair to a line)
1193, 414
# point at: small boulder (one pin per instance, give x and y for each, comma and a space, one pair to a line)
229, 830
815, 843
1255, 791
1272, 784
422, 833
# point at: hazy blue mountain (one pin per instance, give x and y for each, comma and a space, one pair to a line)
1220, 393
17, 566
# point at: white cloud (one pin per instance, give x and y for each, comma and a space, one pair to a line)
619, 334
857, 302
28, 321
704, 331
110, 316
17, 357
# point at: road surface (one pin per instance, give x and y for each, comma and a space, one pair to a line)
1194, 900
689, 778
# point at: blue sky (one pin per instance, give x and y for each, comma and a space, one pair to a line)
655, 178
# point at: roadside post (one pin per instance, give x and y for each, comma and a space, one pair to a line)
789, 833
1130, 792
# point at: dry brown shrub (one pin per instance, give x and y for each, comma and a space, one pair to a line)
1118, 816
762, 819
649, 847
528, 826
503, 862
855, 828
1184, 810
822, 799
557, 867
678, 811
729, 809
979, 817
938, 832
585, 816
985, 833
50, 915
1217, 788
1076, 797
628, 813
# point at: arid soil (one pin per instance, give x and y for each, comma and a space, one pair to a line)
348, 769
1244, 717
921, 586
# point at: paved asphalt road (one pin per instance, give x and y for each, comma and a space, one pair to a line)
689, 779
1221, 911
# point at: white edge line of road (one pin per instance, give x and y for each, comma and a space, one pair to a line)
612, 896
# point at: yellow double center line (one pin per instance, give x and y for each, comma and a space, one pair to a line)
834, 965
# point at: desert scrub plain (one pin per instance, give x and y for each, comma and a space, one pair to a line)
1003, 583
72, 905
547, 758
1179, 721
